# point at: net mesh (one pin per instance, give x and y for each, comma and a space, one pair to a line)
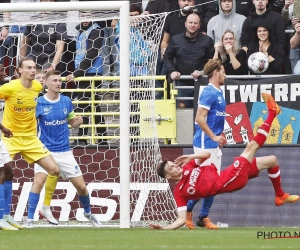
51, 36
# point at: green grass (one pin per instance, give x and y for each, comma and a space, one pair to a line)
137, 238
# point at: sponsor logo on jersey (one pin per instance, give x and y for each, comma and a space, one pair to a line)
51, 30
186, 172
19, 101
236, 164
191, 190
55, 123
47, 110
194, 176
218, 113
24, 109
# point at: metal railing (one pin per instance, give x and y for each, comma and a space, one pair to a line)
93, 103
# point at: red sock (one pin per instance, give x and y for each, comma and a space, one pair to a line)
274, 175
264, 129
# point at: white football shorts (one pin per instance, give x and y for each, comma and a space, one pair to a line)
215, 158
66, 162
4, 155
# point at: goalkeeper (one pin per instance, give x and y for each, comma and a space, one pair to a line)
194, 182
19, 115
54, 112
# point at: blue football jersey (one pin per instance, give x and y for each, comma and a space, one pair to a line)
213, 100
52, 118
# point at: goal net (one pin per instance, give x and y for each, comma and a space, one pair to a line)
94, 87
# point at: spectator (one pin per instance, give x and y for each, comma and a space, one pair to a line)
40, 77
175, 24
109, 52
158, 6
263, 42
233, 58
227, 19
47, 43
277, 5
88, 62
289, 19
140, 53
262, 14
295, 44
287, 11
7, 41
205, 8
243, 7
191, 50
155, 7
2, 73
3, 36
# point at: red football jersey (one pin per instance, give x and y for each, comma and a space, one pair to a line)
196, 182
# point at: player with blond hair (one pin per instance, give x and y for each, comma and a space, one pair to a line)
20, 97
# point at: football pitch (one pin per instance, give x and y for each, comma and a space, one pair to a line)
143, 238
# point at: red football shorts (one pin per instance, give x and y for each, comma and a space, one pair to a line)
234, 177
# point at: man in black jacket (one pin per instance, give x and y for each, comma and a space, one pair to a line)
263, 15
191, 50
159, 6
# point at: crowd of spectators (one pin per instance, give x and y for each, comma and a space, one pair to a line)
230, 30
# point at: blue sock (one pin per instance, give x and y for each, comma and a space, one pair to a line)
2, 201
191, 205
206, 205
32, 204
7, 196
85, 201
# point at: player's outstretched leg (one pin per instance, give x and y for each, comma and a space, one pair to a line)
273, 111
286, 198
280, 197
270, 102
271, 164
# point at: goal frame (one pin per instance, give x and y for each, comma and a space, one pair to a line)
123, 7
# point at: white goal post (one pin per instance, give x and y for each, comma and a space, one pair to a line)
144, 157
123, 6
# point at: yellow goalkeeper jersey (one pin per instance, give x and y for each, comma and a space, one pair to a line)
20, 104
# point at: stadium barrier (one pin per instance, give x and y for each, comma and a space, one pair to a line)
165, 110
239, 91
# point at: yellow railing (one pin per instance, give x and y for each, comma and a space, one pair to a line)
93, 102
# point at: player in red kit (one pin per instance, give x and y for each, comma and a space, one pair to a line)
195, 182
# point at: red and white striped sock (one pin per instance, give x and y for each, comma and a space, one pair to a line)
274, 175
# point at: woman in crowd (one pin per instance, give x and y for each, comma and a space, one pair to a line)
263, 43
233, 58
